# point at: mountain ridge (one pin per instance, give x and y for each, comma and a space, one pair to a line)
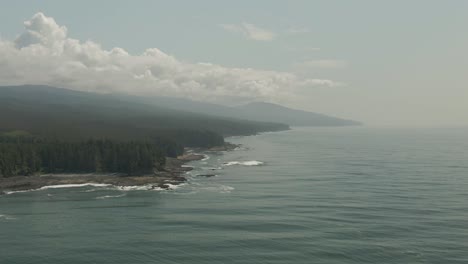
254, 111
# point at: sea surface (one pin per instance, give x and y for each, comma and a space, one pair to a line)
308, 195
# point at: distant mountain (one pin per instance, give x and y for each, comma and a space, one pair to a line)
257, 111
276, 113
50, 110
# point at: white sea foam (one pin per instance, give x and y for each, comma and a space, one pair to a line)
173, 186
211, 168
12, 192
110, 196
226, 189
148, 187
206, 157
219, 188
138, 188
6, 217
59, 186
244, 163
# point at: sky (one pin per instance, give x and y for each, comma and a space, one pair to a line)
392, 63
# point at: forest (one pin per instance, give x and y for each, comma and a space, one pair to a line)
53, 130
22, 154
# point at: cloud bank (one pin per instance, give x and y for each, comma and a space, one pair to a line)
44, 54
323, 64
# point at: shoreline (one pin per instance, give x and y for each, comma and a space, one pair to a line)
171, 175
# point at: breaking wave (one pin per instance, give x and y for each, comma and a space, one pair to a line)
244, 163
110, 187
148, 187
219, 189
6, 217
73, 186
110, 196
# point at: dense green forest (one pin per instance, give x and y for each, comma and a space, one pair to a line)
63, 131
24, 154
29, 156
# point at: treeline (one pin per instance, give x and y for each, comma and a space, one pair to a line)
130, 137
24, 155
195, 138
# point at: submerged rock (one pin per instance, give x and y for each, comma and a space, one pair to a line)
206, 175
162, 186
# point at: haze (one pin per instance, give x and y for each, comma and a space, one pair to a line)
394, 63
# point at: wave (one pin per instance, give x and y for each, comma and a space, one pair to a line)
146, 187
6, 217
90, 190
59, 186
123, 188
149, 187
219, 189
206, 157
244, 163
110, 196
22, 191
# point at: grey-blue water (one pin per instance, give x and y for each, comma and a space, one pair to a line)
335, 195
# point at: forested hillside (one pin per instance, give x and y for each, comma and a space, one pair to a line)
255, 111
62, 113
29, 155
52, 130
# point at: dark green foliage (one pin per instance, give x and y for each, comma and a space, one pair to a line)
72, 115
30, 155
193, 138
138, 136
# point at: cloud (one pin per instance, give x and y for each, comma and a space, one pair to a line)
44, 54
322, 64
250, 31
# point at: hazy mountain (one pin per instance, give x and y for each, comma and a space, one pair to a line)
257, 111
276, 113
65, 113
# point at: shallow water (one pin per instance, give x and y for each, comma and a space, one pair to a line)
314, 195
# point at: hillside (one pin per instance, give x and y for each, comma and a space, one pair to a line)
257, 111
293, 117
63, 113
52, 130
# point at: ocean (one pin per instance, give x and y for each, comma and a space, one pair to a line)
308, 195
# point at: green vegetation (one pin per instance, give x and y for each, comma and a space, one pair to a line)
52, 130
71, 115
29, 156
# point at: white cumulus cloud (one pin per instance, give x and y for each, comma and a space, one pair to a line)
44, 54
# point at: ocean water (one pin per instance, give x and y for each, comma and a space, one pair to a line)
309, 195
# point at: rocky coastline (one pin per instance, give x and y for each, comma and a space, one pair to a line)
172, 174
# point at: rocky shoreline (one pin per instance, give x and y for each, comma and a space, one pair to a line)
171, 174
